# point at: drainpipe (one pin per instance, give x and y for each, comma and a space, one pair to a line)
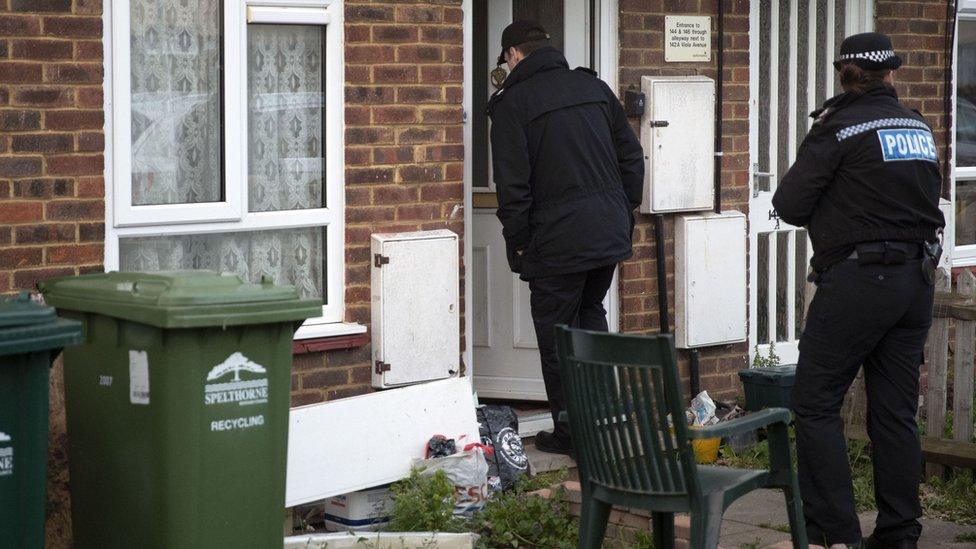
719, 83
950, 40
662, 274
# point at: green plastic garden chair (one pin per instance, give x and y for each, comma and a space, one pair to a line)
621, 391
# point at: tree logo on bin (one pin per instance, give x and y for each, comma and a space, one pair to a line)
236, 390
6, 456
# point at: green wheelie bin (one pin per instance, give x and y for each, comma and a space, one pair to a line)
31, 336
177, 407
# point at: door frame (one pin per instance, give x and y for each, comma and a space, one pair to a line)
609, 71
858, 14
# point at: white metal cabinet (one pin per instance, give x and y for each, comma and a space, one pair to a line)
710, 277
678, 135
415, 317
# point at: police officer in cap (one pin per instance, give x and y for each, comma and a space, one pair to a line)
569, 172
866, 184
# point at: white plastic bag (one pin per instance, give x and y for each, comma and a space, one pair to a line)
469, 472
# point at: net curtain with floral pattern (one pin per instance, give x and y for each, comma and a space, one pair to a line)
176, 140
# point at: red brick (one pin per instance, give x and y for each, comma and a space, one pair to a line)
433, 74
395, 33
371, 214
357, 33
441, 191
18, 258
420, 173
44, 97
91, 142
418, 14
44, 234
42, 142
20, 166
393, 155
449, 115
366, 136
370, 94
325, 378
75, 255
73, 120
19, 120
15, 72
63, 6
27, 280
442, 153
75, 73
453, 15
357, 115
89, 50
75, 165
70, 210
419, 94
370, 54
421, 135
395, 115
418, 211
395, 74
448, 35
419, 54
21, 212
91, 232
394, 194
369, 14
42, 49
90, 97
73, 27
19, 25
44, 188
356, 176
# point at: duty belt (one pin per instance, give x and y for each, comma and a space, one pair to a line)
886, 252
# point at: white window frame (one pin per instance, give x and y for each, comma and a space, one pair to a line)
124, 220
962, 256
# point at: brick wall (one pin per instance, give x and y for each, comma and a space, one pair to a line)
404, 155
51, 141
642, 54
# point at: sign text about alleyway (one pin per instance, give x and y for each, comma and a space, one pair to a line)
687, 38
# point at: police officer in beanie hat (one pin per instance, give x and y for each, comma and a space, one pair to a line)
866, 184
569, 172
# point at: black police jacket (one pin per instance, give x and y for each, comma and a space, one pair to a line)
568, 168
867, 171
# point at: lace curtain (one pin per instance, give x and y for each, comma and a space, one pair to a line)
285, 111
175, 82
175, 60
288, 256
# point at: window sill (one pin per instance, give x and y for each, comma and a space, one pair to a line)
328, 337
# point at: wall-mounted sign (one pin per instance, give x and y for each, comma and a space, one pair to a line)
687, 38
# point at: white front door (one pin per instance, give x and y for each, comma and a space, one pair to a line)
793, 45
506, 355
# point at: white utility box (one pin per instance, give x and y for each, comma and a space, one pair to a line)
415, 317
678, 136
366, 510
710, 279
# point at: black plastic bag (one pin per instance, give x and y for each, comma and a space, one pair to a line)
498, 426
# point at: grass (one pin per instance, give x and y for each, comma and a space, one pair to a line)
968, 537
785, 528
953, 500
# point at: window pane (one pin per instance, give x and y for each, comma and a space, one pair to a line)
285, 100
176, 107
762, 276
966, 96
965, 213
765, 84
800, 288
288, 256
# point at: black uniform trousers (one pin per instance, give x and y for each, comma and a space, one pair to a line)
576, 300
877, 316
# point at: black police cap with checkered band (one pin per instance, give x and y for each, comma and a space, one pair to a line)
868, 50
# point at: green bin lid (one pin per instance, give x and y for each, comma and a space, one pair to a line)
26, 327
180, 299
775, 375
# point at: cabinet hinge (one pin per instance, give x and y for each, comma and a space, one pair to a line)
379, 260
382, 367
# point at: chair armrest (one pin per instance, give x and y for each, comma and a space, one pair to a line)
743, 424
